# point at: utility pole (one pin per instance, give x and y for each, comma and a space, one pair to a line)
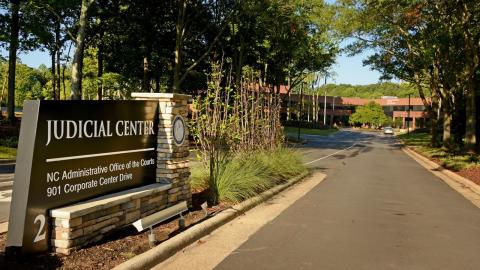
301, 108
408, 116
325, 104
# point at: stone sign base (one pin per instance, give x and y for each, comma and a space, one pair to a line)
172, 159
78, 225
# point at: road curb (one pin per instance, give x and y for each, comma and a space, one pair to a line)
166, 249
462, 185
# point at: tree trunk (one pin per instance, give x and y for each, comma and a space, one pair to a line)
434, 132
471, 124
146, 74
54, 75
308, 112
77, 65
57, 50
447, 123
180, 31
59, 70
239, 67
3, 90
157, 80
471, 64
100, 68
477, 82
12, 61
101, 32
63, 71
289, 102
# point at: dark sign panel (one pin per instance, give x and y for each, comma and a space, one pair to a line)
71, 151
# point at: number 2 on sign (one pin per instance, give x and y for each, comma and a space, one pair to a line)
40, 236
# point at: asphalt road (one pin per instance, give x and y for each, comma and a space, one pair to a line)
377, 209
6, 178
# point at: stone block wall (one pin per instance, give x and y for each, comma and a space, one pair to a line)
88, 222
172, 159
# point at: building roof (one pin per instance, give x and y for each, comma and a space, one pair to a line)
356, 101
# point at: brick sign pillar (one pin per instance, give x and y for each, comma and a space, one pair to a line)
172, 156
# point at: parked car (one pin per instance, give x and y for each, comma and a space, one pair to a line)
388, 130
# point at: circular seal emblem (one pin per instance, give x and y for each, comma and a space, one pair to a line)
178, 130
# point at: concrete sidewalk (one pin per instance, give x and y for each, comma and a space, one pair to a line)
207, 252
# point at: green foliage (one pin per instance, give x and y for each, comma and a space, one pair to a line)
398, 122
199, 177
455, 160
371, 113
9, 142
8, 147
229, 123
114, 86
433, 45
370, 91
279, 38
247, 175
7, 152
30, 83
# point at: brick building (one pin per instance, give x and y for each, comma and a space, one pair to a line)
338, 109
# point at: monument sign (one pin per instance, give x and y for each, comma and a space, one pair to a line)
71, 151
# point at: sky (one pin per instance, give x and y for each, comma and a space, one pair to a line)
349, 70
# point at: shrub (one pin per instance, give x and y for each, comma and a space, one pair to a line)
11, 142
199, 177
247, 175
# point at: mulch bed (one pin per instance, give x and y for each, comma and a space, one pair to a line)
472, 174
116, 249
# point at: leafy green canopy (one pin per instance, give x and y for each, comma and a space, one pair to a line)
370, 91
435, 46
371, 113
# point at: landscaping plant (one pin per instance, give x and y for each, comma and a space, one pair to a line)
247, 175
233, 123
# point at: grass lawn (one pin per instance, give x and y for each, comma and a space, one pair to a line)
293, 131
449, 159
7, 152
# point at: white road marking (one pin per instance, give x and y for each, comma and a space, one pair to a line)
331, 154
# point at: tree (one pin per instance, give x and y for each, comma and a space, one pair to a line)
12, 59
191, 16
370, 114
284, 40
371, 91
76, 88
433, 45
50, 23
